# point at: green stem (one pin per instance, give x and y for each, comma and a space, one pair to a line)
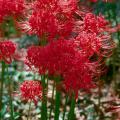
51, 107
29, 111
57, 105
11, 105
1, 88
10, 96
44, 100
66, 99
71, 115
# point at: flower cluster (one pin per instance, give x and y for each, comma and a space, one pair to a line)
77, 42
11, 8
31, 90
7, 50
93, 37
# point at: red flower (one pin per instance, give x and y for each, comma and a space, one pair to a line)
7, 50
53, 58
11, 8
53, 18
92, 36
61, 58
31, 90
89, 43
94, 24
80, 75
93, 44
74, 82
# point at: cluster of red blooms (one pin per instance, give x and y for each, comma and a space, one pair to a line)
11, 8
75, 40
7, 50
31, 90
91, 38
71, 51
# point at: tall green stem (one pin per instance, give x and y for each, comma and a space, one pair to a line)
11, 104
57, 105
65, 107
1, 87
44, 100
71, 115
51, 107
57, 100
10, 96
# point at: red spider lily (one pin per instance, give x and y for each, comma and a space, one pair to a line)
11, 8
80, 76
94, 24
31, 90
91, 23
53, 18
93, 36
50, 57
61, 58
7, 50
89, 42
73, 84
92, 44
